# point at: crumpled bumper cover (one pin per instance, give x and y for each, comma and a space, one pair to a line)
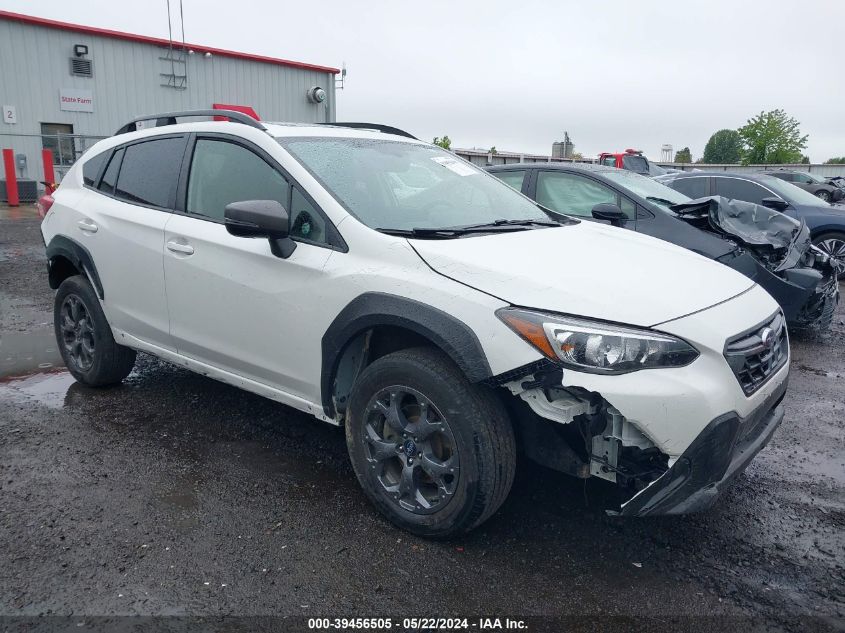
720, 452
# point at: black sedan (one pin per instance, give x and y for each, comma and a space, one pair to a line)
798, 276
825, 221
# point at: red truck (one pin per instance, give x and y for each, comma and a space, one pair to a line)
630, 159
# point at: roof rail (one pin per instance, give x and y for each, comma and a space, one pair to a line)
387, 129
169, 118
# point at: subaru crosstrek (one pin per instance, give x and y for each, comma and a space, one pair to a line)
444, 319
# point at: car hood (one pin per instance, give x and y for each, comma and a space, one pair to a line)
588, 270
778, 239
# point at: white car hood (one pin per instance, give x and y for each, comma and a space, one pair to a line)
588, 270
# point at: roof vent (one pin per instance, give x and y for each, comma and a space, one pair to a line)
81, 67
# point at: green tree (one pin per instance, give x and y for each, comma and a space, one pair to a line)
445, 142
493, 150
835, 161
683, 156
805, 160
724, 147
771, 138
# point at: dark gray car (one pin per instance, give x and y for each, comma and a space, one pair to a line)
760, 243
817, 185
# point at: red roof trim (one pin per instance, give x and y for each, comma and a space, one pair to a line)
144, 39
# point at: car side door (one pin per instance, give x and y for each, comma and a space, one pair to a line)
234, 305
126, 209
576, 195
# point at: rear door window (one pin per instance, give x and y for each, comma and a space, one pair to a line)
150, 172
692, 187
739, 189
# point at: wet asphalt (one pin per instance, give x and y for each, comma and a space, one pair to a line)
174, 494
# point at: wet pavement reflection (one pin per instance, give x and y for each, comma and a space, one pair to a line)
31, 368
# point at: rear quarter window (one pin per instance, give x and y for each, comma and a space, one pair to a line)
92, 167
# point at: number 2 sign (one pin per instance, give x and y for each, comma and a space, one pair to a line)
10, 115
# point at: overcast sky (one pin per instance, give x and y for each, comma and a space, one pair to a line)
517, 74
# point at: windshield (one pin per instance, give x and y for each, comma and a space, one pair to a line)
635, 163
819, 179
791, 193
647, 188
395, 185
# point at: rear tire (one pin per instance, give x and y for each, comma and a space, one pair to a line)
434, 453
84, 336
833, 244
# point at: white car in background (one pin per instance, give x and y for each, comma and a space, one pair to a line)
443, 319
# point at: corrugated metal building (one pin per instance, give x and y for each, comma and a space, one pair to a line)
62, 85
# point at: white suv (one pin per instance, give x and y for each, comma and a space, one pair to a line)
380, 283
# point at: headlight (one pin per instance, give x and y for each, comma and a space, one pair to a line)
595, 347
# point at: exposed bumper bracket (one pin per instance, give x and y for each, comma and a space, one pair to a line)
719, 453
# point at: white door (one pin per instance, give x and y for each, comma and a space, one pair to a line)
123, 229
233, 304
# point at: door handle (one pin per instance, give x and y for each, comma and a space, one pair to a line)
87, 225
178, 247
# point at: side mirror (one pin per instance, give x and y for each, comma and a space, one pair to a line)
261, 218
609, 213
775, 203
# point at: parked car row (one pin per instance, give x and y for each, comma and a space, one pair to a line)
765, 245
445, 320
827, 189
826, 222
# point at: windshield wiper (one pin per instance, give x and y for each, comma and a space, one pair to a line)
495, 223
422, 233
496, 226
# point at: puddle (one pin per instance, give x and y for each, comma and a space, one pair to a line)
49, 389
31, 368
26, 353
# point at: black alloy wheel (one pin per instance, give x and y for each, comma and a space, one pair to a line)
411, 447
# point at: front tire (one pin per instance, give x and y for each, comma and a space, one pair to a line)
833, 245
84, 336
824, 195
434, 453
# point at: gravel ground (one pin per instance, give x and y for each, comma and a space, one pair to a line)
177, 495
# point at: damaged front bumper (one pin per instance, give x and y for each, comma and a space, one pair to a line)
711, 462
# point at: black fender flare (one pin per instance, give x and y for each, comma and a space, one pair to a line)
76, 254
373, 309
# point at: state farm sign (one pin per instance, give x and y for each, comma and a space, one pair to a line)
75, 100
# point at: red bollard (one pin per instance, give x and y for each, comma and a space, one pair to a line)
11, 178
49, 174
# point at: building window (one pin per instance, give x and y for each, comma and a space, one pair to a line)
58, 138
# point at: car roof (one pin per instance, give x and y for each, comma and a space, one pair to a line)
589, 167
732, 174
276, 129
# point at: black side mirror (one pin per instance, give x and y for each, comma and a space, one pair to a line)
261, 218
775, 203
609, 213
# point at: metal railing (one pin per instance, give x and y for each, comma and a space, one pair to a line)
65, 148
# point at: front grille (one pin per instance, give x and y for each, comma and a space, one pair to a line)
754, 356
